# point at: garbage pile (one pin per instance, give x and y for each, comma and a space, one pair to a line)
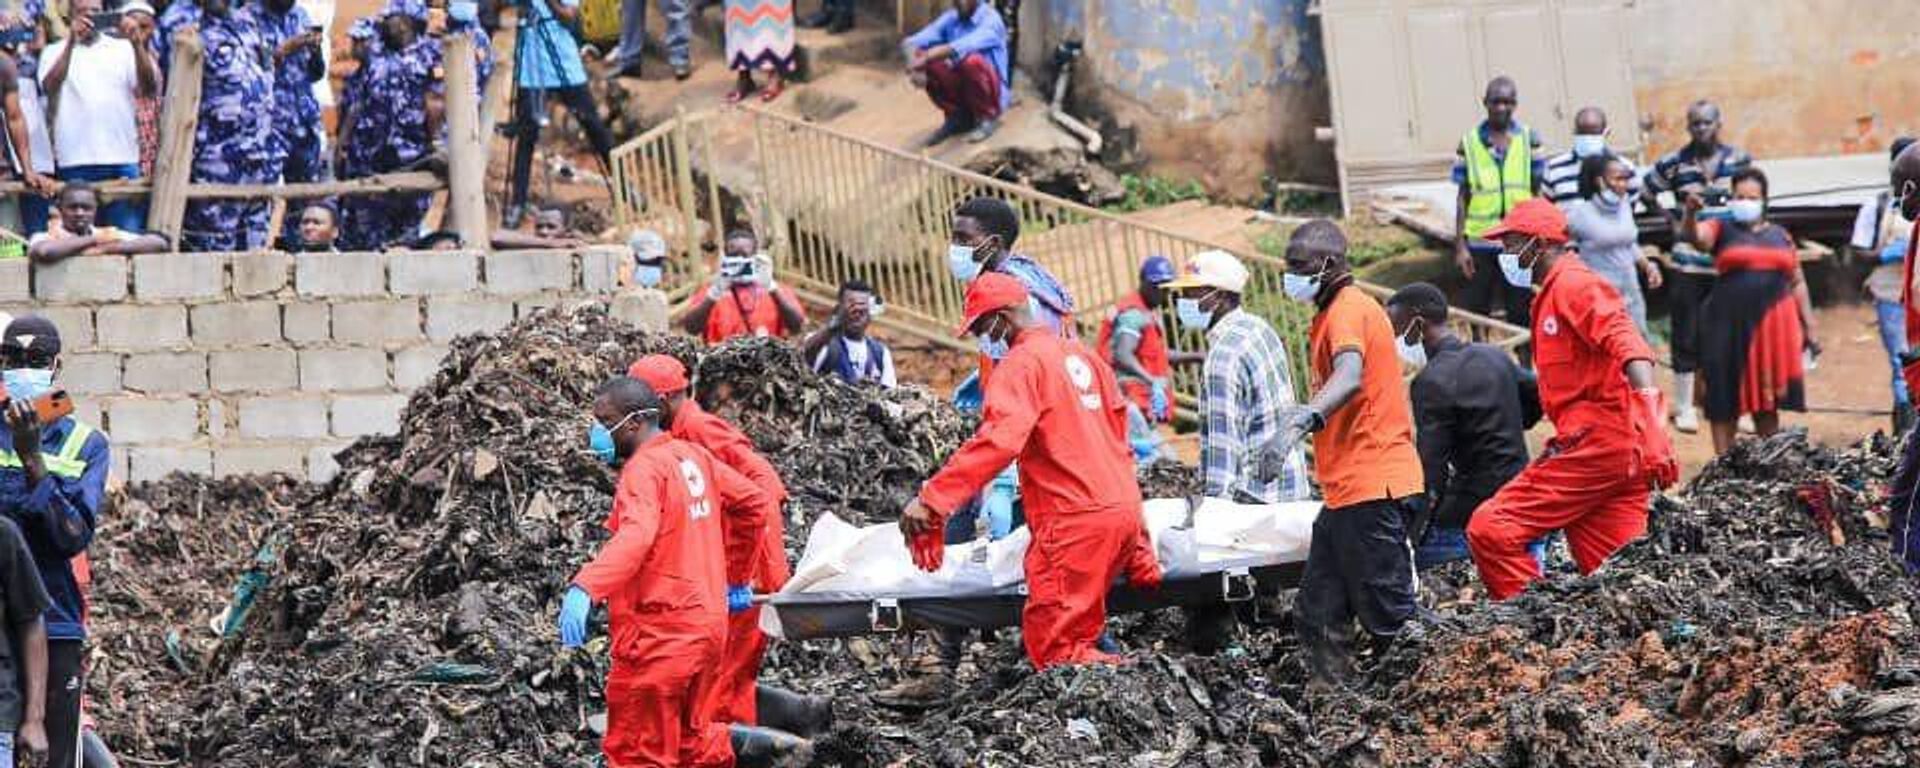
1762, 622
402, 615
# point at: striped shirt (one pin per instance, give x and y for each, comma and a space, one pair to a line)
1249, 384
1562, 179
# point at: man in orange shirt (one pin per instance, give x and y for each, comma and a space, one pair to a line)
1610, 443
740, 698
665, 583
1364, 459
1052, 404
743, 299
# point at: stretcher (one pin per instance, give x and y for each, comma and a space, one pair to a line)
855, 580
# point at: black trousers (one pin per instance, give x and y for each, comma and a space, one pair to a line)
1489, 287
1359, 566
526, 122
1686, 296
65, 682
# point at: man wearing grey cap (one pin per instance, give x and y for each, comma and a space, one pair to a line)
53, 476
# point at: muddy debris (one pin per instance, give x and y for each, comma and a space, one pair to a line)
403, 614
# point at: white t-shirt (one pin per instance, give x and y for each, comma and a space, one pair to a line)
93, 122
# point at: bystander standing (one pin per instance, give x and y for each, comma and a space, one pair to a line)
92, 80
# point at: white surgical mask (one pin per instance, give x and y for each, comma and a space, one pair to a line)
1414, 353
1746, 211
1587, 145
960, 262
649, 275
1300, 287
993, 348
1517, 276
1609, 198
1190, 314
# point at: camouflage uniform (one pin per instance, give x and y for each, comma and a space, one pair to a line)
234, 142
389, 132
298, 137
179, 13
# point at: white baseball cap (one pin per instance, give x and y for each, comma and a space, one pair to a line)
138, 5
1212, 269
647, 245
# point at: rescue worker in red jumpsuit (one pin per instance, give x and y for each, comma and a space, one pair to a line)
664, 576
1903, 502
1052, 404
1610, 445
740, 699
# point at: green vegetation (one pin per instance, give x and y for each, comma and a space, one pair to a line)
1368, 243
1145, 192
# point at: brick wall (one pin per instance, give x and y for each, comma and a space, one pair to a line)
229, 364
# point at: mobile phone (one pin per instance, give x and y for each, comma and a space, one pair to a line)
107, 21
50, 407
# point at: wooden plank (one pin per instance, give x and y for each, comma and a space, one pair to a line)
179, 118
409, 181
466, 146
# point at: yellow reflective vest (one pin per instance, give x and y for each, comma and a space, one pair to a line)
1496, 187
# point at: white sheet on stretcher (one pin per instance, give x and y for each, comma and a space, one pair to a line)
843, 562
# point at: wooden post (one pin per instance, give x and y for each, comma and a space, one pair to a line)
466, 146
179, 118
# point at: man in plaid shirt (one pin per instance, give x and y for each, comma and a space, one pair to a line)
1249, 388
1248, 383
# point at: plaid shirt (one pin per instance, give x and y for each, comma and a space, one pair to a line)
1249, 384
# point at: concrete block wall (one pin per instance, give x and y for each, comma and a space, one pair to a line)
230, 364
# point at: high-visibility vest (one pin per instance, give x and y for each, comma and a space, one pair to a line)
67, 463
1496, 187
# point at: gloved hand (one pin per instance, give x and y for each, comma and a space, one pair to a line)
1650, 421
739, 598
997, 505
763, 271
1143, 450
573, 617
1161, 404
929, 550
717, 288
968, 396
1295, 425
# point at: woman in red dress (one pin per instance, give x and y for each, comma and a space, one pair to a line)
1754, 329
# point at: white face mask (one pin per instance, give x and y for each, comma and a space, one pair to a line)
1746, 211
1587, 145
1517, 276
1190, 314
1609, 198
1415, 353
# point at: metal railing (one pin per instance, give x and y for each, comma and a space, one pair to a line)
834, 207
656, 187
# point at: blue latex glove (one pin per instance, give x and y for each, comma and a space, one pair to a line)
967, 396
739, 598
997, 505
573, 617
1143, 449
1159, 401
1895, 252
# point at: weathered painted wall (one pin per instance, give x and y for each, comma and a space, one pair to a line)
1792, 77
1224, 91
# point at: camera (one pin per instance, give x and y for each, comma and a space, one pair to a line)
736, 268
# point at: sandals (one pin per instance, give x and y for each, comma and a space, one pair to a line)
773, 91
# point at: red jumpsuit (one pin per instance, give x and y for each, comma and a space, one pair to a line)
747, 311
740, 667
1054, 405
1592, 480
1152, 352
664, 579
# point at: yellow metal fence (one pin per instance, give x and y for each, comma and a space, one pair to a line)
835, 207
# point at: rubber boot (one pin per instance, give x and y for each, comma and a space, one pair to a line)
94, 752
1685, 418
808, 716
929, 680
755, 747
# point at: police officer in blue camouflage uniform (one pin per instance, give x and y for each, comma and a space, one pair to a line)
298, 137
178, 15
234, 142
390, 123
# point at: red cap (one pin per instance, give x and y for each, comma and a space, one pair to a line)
989, 292
1533, 217
663, 373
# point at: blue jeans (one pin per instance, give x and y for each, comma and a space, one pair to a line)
633, 31
1893, 338
119, 214
34, 213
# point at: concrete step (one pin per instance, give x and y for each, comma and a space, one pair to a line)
872, 40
